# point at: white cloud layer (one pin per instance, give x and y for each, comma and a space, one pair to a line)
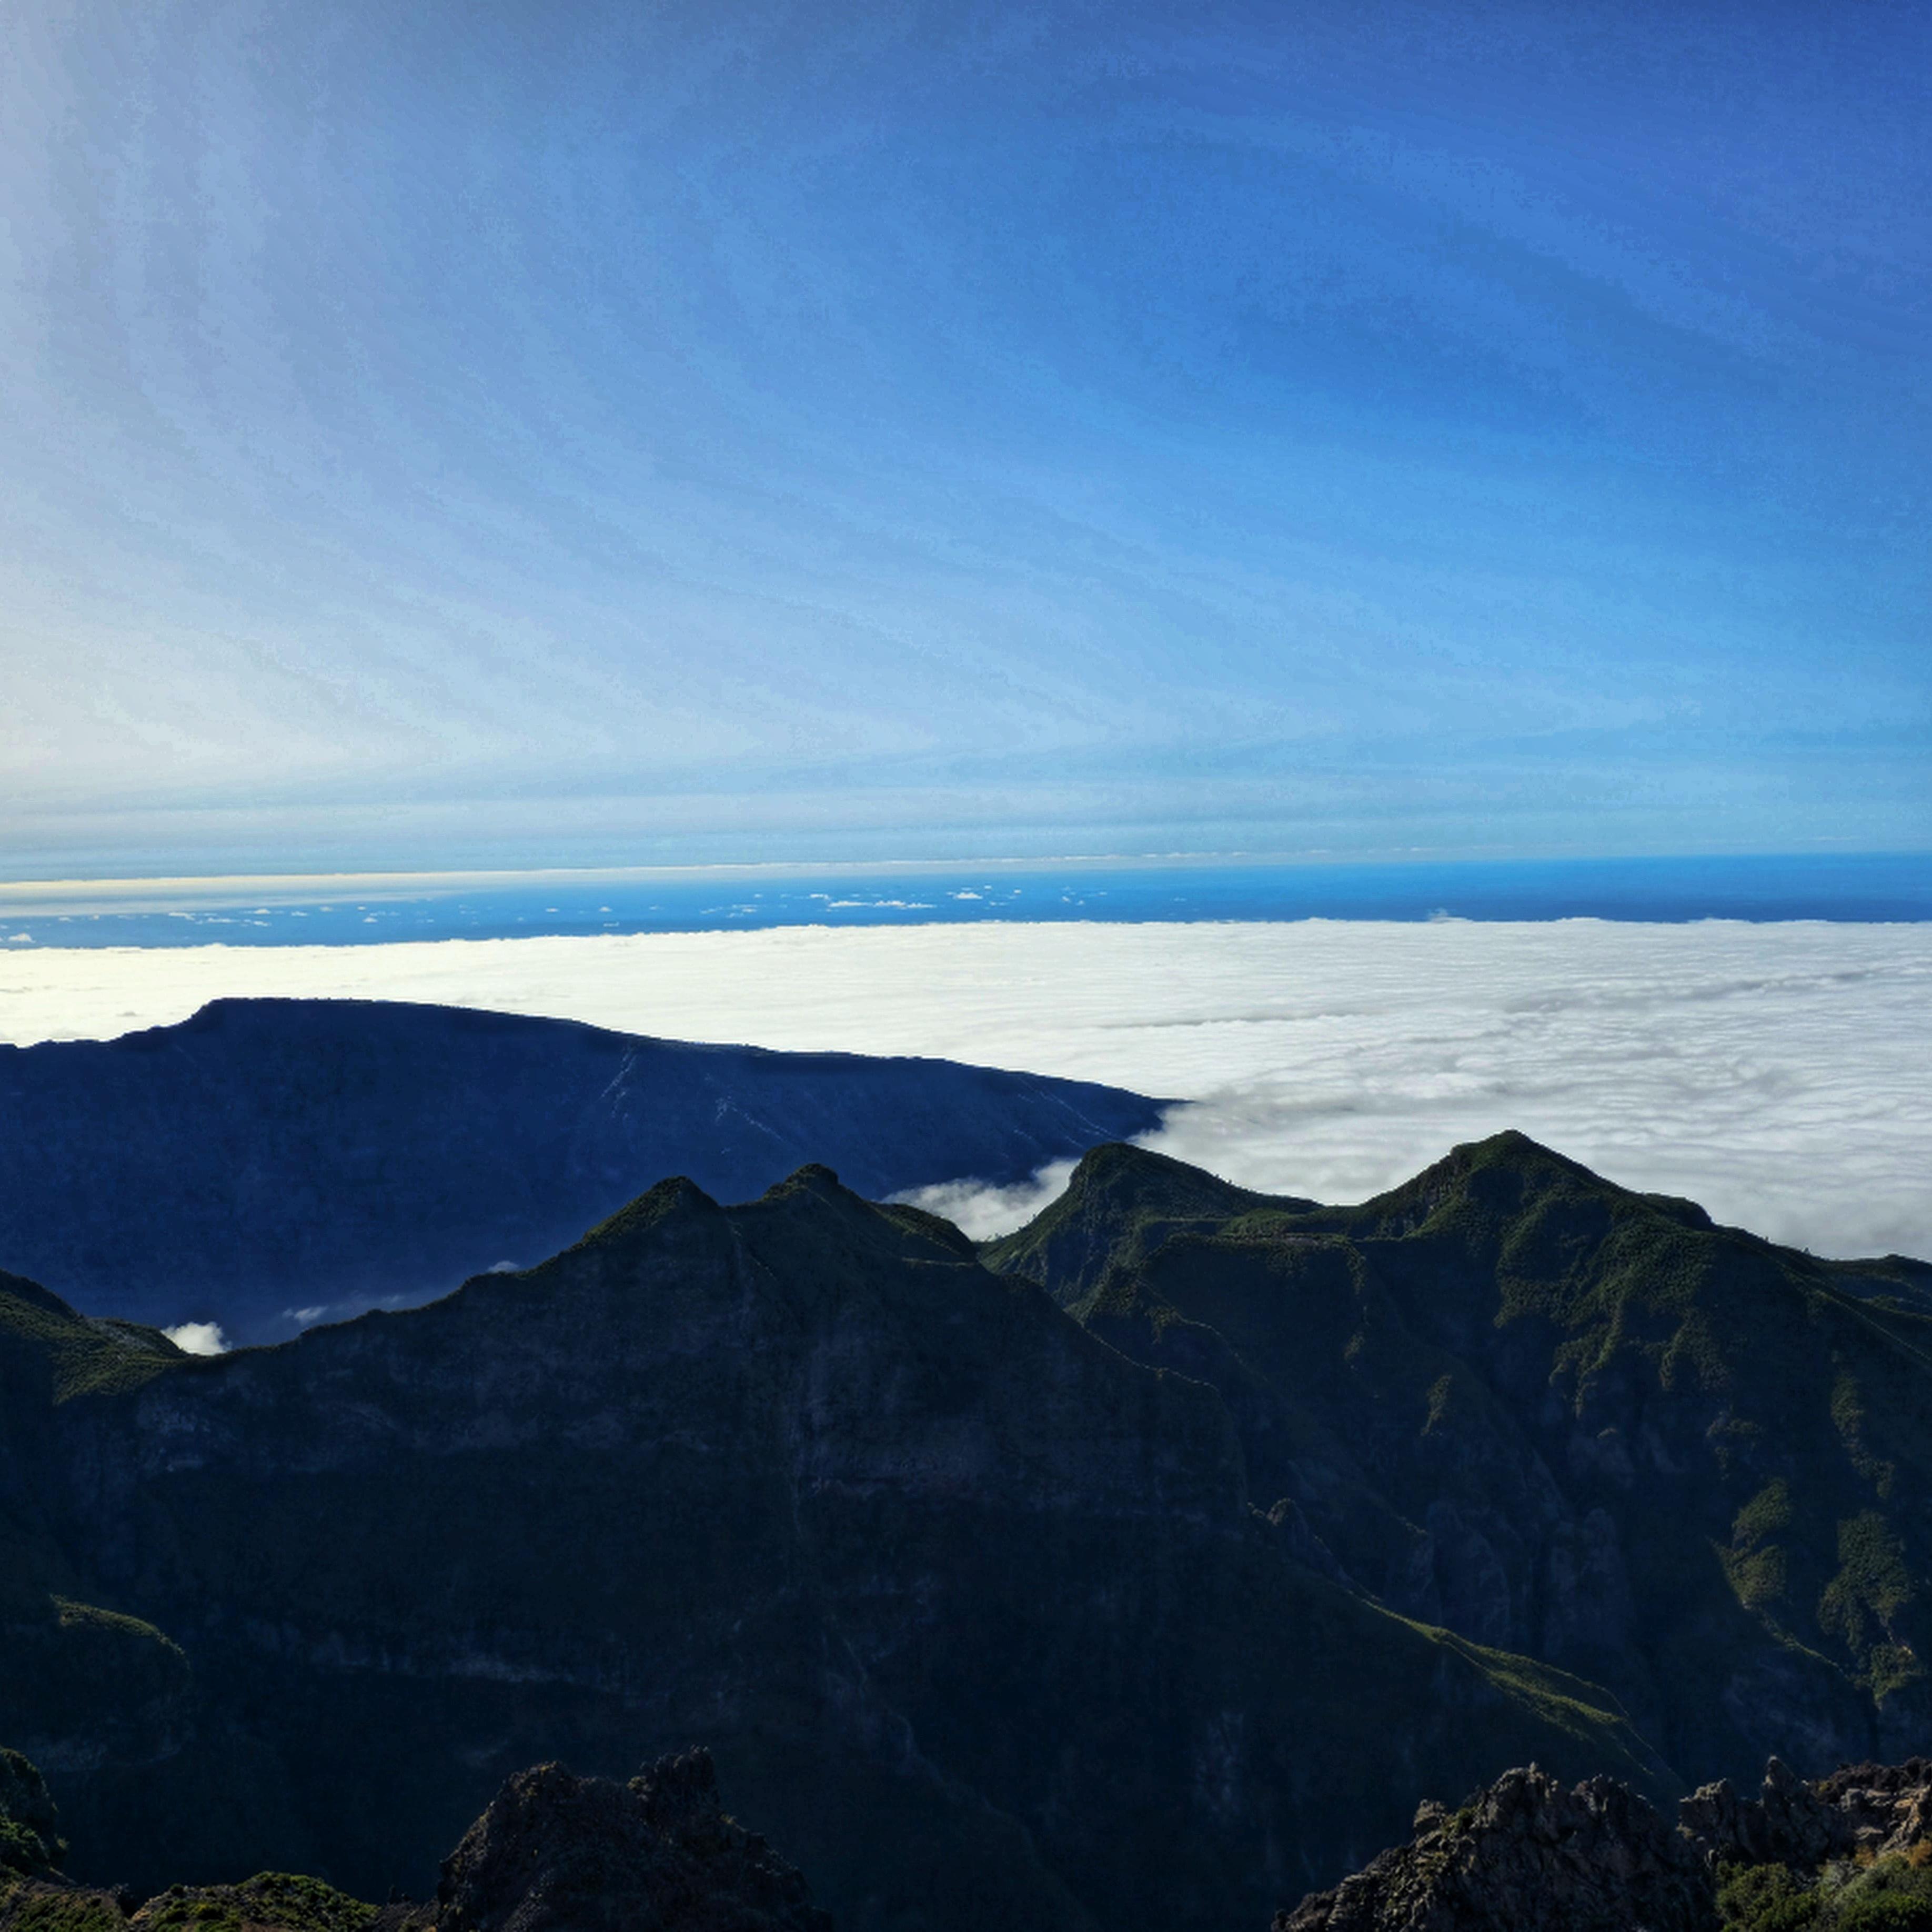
983, 1211
198, 1338
1776, 1073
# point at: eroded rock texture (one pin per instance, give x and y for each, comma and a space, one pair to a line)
1868, 1810
556, 1853
1528, 1854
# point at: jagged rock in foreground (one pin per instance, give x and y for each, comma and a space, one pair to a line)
1862, 1811
1888, 1806
556, 1853
1525, 1855
553, 1852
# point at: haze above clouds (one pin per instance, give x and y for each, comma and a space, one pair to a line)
1774, 1072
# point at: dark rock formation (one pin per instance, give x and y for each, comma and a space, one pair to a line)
556, 1853
1889, 1806
270, 1157
1787, 1823
1860, 1811
553, 1852
1525, 1855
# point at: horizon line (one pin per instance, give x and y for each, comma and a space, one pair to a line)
53, 891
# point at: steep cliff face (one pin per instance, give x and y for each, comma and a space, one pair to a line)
80, 1686
269, 1157
1563, 1419
974, 1610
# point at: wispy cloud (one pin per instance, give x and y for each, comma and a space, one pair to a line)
1774, 1072
1431, 423
198, 1338
982, 1210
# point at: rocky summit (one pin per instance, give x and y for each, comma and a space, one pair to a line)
556, 1853
1525, 1855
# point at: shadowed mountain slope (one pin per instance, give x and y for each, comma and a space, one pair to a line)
974, 1610
269, 1155
80, 1685
1564, 1419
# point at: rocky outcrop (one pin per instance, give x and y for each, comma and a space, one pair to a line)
1525, 1855
1787, 1823
1888, 1806
1860, 1811
555, 1853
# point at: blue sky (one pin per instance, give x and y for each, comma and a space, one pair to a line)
442, 434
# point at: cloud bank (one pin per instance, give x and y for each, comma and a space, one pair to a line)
1774, 1072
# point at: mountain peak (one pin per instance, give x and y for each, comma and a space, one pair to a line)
1120, 1193
677, 1197
1137, 1178
1503, 1173
814, 1178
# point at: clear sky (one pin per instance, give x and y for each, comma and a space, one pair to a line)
440, 434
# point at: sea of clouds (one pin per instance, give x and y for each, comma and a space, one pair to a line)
1780, 1074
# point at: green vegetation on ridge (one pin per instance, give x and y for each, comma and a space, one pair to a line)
1123, 1602
962, 1598
1563, 1418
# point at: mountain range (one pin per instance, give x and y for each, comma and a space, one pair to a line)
270, 1163
1562, 1419
1145, 1568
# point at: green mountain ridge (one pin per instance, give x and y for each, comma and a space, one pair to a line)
975, 1610
1145, 1567
1573, 1421
81, 1685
